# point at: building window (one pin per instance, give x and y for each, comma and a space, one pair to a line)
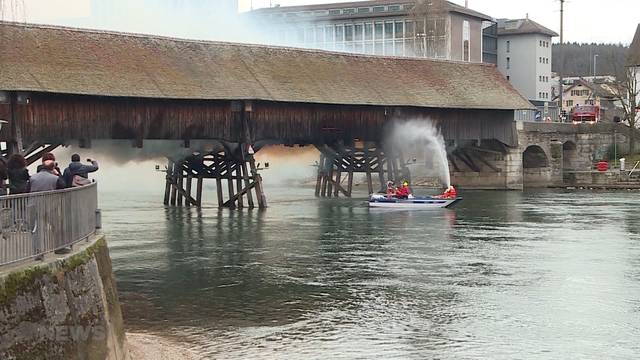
540, 95
508, 63
394, 7
378, 9
569, 103
508, 78
335, 12
368, 32
348, 11
540, 43
508, 46
589, 102
348, 33
466, 39
540, 60
399, 29
363, 10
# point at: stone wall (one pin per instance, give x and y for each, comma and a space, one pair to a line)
568, 148
63, 309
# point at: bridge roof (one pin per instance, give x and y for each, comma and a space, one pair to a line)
73, 61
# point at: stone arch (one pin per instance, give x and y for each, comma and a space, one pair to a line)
536, 167
569, 155
534, 157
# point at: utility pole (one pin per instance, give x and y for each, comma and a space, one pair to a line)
561, 54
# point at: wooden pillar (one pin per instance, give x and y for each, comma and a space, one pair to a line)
239, 184
323, 191
320, 174
174, 190
230, 179
247, 183
350, 181
199, 190
180, 184
338, 176
262, 200
167, 187
367, 159
219, 163
330, 178
188, 189
219, 191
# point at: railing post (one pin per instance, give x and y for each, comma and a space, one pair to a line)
98, 219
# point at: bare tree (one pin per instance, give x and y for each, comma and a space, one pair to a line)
627, 91
428, 16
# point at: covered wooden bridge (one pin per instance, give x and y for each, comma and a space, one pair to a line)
61, 84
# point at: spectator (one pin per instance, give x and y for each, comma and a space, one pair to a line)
49, 156
18, 174
46, 179
77, 174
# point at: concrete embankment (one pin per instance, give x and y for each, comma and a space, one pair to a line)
62, 308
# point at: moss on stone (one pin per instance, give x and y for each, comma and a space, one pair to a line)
21, 281
25, 280
72, 262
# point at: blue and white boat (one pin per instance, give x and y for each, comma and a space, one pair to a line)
413, 203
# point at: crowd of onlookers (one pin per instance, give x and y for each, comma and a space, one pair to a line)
47, 177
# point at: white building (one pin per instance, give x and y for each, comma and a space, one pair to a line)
524, 57
382, 27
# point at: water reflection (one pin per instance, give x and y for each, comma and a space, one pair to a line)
547, 274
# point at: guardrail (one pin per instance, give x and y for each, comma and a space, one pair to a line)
34, 224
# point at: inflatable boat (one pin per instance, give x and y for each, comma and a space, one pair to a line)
413, 203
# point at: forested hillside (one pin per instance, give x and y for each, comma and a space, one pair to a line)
578, 58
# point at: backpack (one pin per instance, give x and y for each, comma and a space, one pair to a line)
79, 181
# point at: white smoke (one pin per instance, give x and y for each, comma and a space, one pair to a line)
420, 138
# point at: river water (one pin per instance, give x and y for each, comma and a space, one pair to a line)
537, 275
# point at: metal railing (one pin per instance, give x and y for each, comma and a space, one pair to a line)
34, 224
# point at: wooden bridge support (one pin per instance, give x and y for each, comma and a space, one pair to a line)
338, 164
225, 164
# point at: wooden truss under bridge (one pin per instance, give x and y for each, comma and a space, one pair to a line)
233, 163
339, 163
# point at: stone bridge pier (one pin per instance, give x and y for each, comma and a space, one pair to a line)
547, 154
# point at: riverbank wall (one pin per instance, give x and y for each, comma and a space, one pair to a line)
65, 307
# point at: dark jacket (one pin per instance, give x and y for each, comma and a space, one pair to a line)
18, 180
46, 181
77, 168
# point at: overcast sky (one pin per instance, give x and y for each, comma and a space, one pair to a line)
612, 21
